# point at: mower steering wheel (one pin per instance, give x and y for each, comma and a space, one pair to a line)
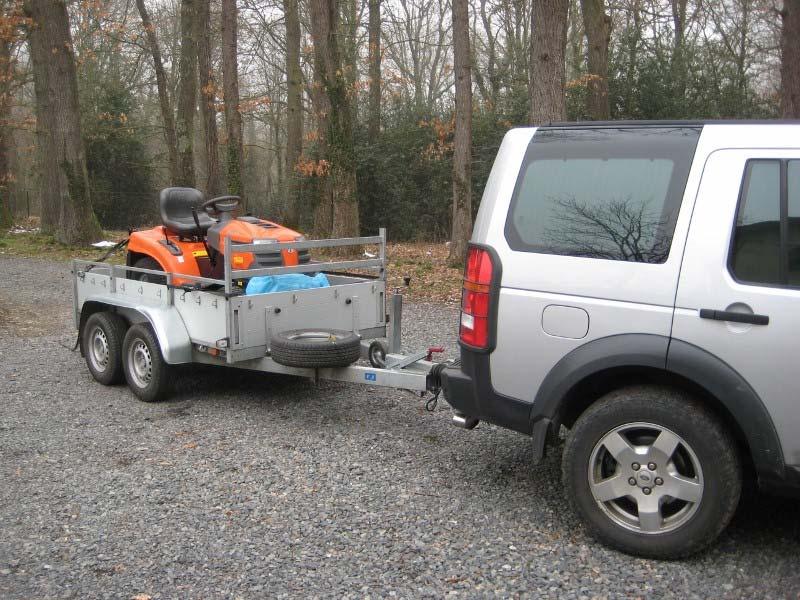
220, 204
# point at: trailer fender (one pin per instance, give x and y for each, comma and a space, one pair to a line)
173, 338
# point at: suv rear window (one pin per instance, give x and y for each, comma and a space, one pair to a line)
609, 193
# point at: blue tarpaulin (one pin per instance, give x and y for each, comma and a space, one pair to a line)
285, 283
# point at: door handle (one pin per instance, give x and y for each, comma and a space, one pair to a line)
733, 317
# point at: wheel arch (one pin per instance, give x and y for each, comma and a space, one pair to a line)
587, 373
173, 338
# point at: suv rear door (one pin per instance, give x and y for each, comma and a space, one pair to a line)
743, 257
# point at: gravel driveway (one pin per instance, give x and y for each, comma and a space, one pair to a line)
245, 486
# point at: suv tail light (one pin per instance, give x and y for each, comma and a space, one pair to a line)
476, 298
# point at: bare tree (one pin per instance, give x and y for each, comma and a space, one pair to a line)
619, 229
8, 38
294, 107
679, 51
187, 95
66, 203
338, 206
486, 46
598, 35
208, 87
230, 83
417, 44
790, 59
548, 43
167, 116
374, 119
462, 139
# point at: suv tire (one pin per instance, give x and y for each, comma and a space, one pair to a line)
629, 450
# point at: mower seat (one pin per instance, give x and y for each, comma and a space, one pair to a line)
176, 211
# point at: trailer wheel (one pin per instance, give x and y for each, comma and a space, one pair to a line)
101, 345
316, 348
146, 370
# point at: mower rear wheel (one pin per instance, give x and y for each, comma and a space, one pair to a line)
101, 345
146, 371
148, 263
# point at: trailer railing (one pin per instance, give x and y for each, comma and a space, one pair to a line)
231, 274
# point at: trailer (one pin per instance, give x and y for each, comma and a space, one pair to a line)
136, 330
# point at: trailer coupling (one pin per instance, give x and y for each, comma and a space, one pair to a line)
433, 380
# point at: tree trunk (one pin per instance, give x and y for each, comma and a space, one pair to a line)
66, 202
462, 139
349, 48
323, 210
678, 62
6, 141
339, 191
163, 92
633, 41
598, 34
374, 120
790, 60
294, 110
548, 44
576, 37
208, 88
230, 83
187, 95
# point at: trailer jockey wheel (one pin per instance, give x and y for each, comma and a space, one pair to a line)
377, 352
315, 348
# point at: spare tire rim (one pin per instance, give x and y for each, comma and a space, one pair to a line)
98, 349
646, 478
140, 364
314, 335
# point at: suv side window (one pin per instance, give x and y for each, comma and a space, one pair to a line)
766, 240
608, 193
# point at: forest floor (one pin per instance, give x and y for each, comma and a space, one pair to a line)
432, 280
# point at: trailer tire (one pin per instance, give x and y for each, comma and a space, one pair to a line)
316, 348
146, 371
101, 345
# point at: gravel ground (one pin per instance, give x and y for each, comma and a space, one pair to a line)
245, 486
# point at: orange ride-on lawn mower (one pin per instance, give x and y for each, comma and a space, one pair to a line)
191, 240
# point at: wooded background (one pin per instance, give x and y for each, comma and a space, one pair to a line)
342, 116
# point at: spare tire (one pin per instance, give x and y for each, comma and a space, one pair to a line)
316, 348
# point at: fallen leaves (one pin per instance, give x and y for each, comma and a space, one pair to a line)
431, 279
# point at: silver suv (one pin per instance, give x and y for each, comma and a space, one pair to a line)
639, 284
